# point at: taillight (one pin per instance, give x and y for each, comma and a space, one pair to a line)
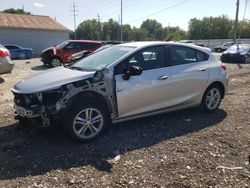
4, 53
223, 65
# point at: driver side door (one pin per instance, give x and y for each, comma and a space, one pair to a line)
146, 92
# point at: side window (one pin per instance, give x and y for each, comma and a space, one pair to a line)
11, 47
184, 55
149, 58
83, 46
70, 46
201, 56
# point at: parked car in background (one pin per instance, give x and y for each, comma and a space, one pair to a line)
223, 47
58, 55
6, 65
238, 53
80, 55
187, 42
18, 52
121, 83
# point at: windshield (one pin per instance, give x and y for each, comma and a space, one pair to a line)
61, 46
103, 58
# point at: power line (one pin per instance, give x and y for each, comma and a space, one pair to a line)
158, 12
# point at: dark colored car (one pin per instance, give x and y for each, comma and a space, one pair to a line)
238, 53
58, 55
18, 52
6, 65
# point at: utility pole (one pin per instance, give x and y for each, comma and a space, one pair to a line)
74, 15
236, 23
99, 25
121, 20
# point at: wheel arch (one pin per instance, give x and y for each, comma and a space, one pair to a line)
92, 96
218, 84
56, 56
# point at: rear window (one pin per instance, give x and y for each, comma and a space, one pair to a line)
184, 55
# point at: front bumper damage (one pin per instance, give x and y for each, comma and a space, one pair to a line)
33, 106
53, 104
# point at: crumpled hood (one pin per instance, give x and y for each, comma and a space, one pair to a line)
50, 79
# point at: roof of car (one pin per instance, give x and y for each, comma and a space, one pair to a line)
85, 41
153, 43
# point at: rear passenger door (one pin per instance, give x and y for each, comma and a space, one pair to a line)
189, 75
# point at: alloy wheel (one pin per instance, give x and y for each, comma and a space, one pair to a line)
213, 98
88, 123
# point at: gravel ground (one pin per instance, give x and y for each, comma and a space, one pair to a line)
188, 148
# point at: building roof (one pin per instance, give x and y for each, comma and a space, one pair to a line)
20, 21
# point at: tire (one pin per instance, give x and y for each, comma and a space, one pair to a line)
80, 127
21, 56
211, 99
55, 62
218, 50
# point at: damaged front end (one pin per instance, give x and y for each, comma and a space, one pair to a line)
40, 105
50, 105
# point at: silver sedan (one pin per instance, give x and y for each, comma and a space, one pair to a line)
120, 83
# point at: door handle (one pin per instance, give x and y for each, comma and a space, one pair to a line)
163, 77
202, 69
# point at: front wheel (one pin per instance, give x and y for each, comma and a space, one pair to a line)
86, 122
55, 62
211, 99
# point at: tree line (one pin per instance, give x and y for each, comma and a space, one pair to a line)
206, 28
220, 27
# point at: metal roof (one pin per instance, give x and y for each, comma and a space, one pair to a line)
20, 21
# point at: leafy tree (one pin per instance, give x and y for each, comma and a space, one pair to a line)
244, 29
127, 33
174, 34
16, 11
89, 30
139, 34
154, 29
111, 30
210, 28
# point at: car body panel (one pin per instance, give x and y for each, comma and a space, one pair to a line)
18, 52
188, 82
50, 79
142, 93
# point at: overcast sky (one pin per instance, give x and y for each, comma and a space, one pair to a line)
167, 12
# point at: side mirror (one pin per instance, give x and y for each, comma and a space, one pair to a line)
132, 71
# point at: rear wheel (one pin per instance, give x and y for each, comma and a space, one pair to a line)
55, 62
211, 99
85, 122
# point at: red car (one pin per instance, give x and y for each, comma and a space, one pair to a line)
58, 55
